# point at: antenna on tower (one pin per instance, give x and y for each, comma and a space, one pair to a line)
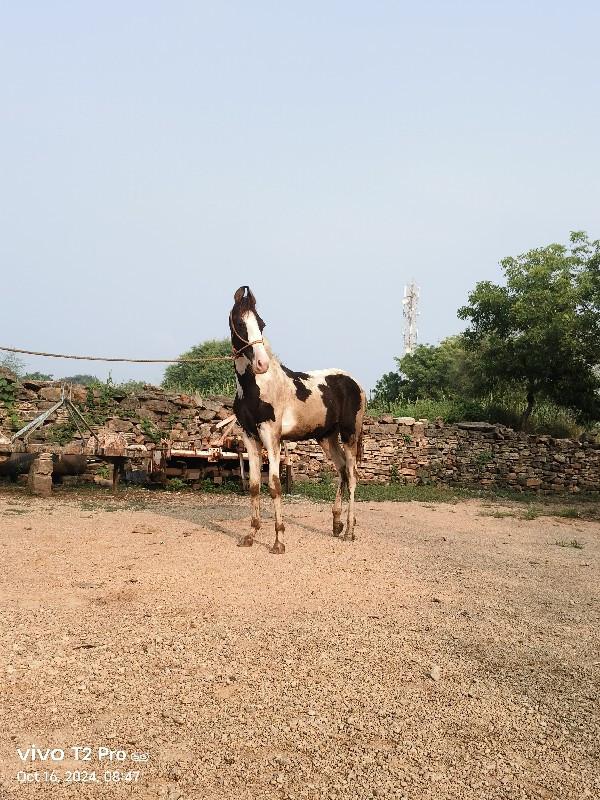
410, 314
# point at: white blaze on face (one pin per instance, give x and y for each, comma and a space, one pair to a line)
261, 361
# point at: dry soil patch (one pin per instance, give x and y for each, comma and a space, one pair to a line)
444, 654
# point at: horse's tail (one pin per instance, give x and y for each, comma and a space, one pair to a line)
359, 441
359, 446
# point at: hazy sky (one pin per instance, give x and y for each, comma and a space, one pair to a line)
155, 156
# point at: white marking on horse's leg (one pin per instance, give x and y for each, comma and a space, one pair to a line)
351, 477
272, 443
254, 463
333, 451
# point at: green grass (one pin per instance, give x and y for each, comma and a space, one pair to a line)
498, 514
527, 506
379, 492
177, 485
524, 506
576, 543
589, 512
569, 513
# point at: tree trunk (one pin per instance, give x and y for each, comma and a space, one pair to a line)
527, 412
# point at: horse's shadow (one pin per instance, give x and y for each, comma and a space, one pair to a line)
310, 529
218, 523
212, 526
218, 526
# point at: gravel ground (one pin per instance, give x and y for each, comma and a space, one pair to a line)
447, 653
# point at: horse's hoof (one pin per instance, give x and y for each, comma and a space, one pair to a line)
349, 537
338, 527
246, 541
278, 548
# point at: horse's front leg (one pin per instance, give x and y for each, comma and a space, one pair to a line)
272, 443
254, 448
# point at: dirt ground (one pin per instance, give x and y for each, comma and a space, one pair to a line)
446, 653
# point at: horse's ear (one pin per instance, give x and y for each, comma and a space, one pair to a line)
250, 299
239, 294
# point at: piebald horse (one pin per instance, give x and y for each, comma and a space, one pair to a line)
273, 403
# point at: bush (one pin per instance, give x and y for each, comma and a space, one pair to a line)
547, 418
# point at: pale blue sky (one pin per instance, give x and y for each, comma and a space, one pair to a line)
155, 156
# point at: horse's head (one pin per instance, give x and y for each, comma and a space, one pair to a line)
246, 331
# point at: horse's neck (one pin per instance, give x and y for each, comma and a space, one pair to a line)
270, 383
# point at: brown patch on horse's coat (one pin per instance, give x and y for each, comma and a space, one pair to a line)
250, 410
335, 406
298, 378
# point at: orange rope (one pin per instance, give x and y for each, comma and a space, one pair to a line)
128, 360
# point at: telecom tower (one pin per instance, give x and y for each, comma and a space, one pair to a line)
410, 314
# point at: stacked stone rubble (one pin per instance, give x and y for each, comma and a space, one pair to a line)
400, 449
39, 479
142, 418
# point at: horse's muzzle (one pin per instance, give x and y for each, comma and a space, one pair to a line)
260, 365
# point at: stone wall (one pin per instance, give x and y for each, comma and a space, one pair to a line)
142, 418
401, 449
467, 454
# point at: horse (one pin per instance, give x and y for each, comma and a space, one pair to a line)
273, 403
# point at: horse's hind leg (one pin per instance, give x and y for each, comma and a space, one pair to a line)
350, 451
254, 449
333, 451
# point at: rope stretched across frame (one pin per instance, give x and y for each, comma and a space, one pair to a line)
127, 360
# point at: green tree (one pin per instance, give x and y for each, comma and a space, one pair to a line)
38, 376
541, 331
206, 377
13, 363
388, 389
437, 372
82, 380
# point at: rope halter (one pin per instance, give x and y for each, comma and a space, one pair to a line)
241, 338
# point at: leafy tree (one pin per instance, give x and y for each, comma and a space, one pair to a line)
439, 371
433, 372
37, 376
204, 377
82, 380
542, 330
388, 389
13, 363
